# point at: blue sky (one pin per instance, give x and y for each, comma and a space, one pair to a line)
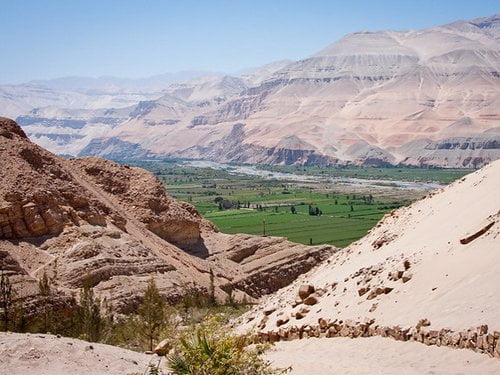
42, 39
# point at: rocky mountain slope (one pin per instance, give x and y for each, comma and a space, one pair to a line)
428, 273
427, 97
92, 219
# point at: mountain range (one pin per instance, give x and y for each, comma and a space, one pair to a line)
427, 98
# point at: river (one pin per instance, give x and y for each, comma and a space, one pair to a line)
250, 170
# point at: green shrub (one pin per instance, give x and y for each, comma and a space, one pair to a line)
210, 349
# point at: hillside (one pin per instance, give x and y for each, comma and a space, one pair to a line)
92, 219
418, 97
427, 273
425, 98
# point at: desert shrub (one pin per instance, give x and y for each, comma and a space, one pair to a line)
211, 349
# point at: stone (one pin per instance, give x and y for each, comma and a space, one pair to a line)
423, 323
395, 275
282, 321
269, 311
163, 348
311, 300
406, 277
305, 291
263, 322
301, 313
322, 323
362, 291
483, 329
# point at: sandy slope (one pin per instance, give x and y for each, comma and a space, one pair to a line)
453, 285
420, 262
49, 355
376, 355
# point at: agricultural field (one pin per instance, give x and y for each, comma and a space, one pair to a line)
308, 212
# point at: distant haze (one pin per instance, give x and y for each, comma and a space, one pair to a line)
44, 40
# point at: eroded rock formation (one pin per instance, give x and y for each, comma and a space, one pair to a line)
92, 219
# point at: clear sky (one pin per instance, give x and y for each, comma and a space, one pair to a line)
42, 39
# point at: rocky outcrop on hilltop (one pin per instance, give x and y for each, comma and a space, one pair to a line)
465, 152
40, 196
427, 273
93, 219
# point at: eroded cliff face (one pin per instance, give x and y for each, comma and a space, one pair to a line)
39, 196
370, 98
92, 219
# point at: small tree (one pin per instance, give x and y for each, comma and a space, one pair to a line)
45, 292
89, 311
151, 313
7, 296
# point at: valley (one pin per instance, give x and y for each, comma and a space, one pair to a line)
258, 200
333, 209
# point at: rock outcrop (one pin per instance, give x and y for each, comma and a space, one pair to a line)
93, 219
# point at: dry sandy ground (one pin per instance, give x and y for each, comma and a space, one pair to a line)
376, 355
41, 354
452, 284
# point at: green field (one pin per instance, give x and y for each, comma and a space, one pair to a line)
270, 201
337, 225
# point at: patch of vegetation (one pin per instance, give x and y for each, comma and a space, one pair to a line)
252, 205
437, 175
194, 333
208, 348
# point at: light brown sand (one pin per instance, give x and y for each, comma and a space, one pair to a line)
376, 355
22, 354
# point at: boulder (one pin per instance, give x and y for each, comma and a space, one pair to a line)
163, 348
306, 290
281, 322
311, 300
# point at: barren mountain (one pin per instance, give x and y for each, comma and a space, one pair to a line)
370, 98
93, 219
427, 273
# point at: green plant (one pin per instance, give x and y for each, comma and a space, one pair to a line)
151, 313
7, 301
90, 319
210, 349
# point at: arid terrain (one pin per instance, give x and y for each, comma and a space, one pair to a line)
418, 294
419, 97
93, 219
426, 274
333, 211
